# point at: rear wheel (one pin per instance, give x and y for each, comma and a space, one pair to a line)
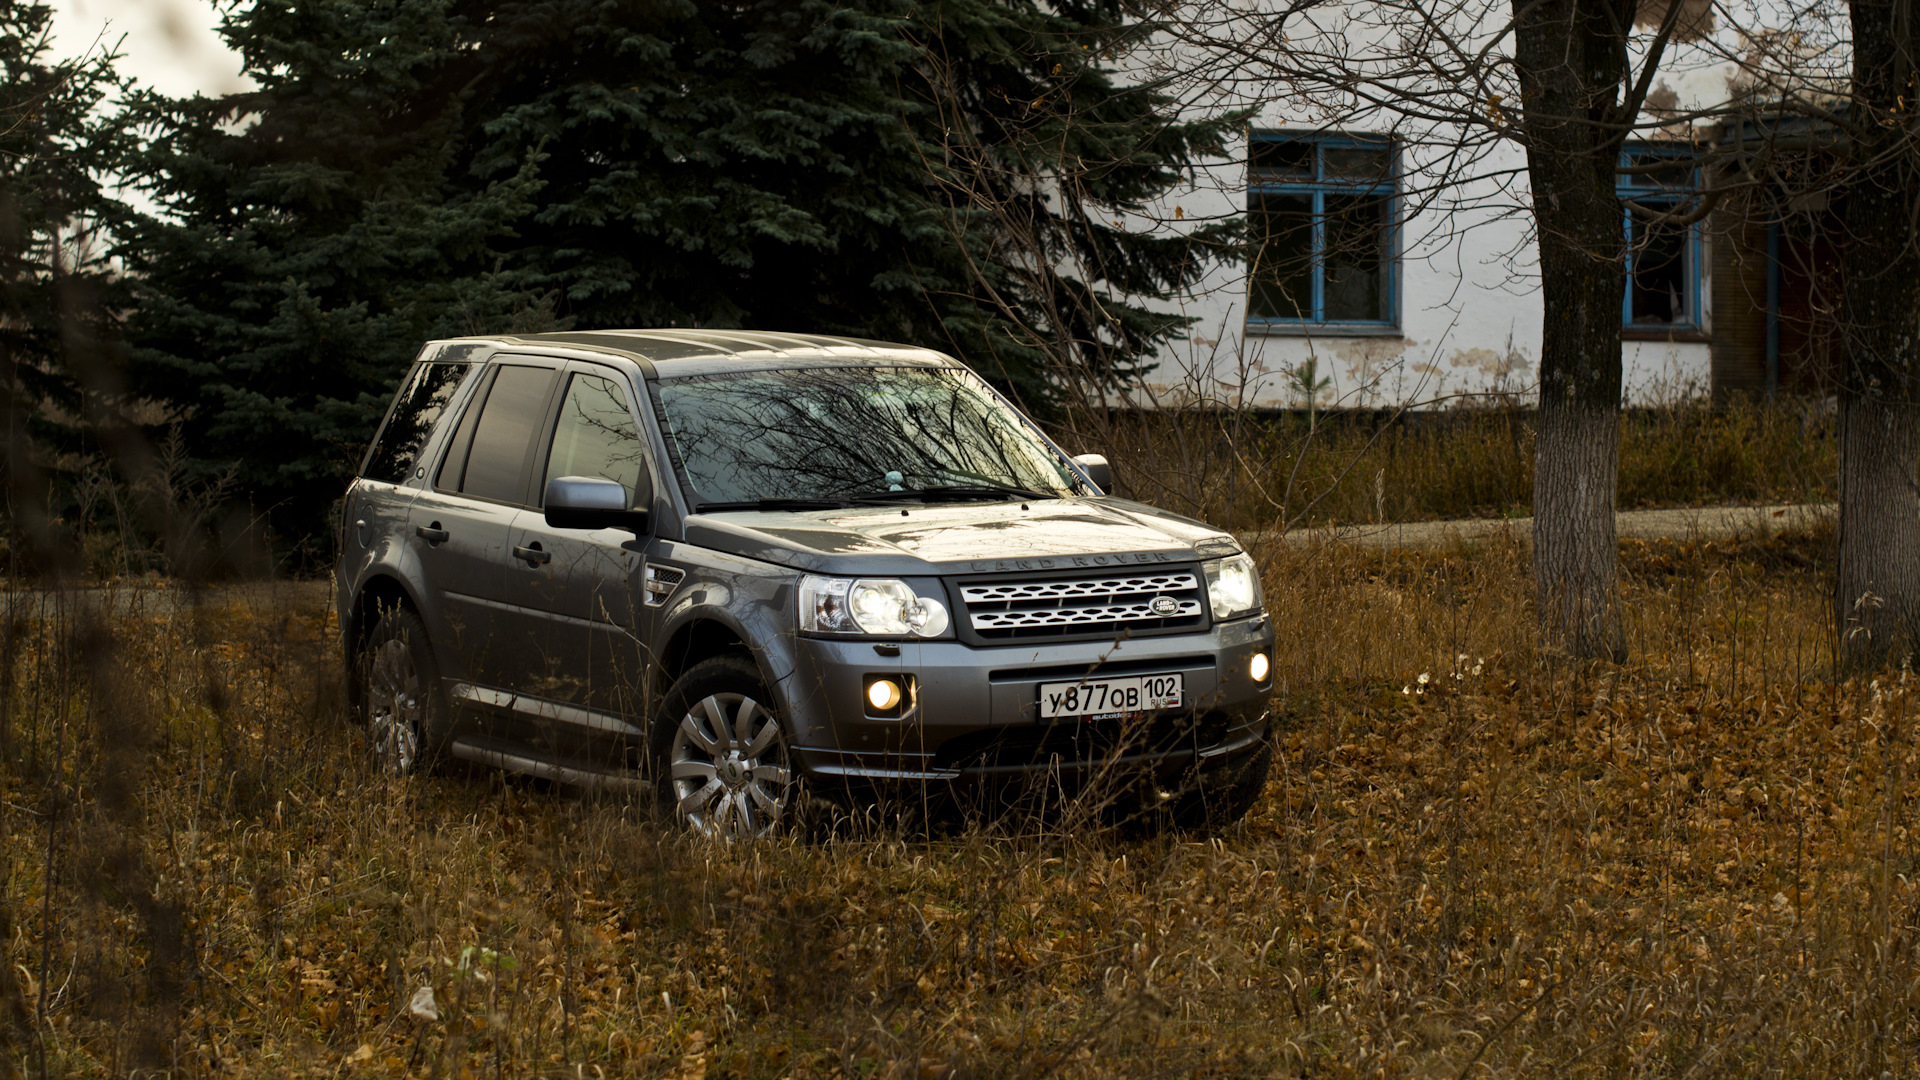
723, 752
404, 705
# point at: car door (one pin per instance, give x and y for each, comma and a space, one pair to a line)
459, 525
573, 590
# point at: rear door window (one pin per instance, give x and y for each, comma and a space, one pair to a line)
416, 409
495, 446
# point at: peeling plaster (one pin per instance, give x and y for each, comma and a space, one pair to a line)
1365, 360
1514, 363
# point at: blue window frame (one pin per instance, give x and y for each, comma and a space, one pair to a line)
1663, 260
1323, 226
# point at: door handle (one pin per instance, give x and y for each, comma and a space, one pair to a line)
432, 534
533, 555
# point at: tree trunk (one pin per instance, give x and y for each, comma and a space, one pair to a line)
1877, 587
1574, 547
1876, 593
1570, 69
1577, 452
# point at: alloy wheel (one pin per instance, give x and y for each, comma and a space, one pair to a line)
728, 765
396, 704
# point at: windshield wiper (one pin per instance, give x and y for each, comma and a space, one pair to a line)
953, 492
771, 504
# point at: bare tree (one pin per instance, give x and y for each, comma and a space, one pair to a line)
1877, 588
1832, 134
1065, 203
1575, 85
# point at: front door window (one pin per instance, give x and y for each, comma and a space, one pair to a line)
596, 436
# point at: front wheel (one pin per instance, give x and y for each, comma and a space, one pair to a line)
723, 752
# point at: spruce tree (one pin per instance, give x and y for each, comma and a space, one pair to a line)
318, 228
57, 370
948, 173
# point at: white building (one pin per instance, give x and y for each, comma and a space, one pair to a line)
1397, 266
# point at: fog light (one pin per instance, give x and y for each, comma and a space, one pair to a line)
1258, 666
883, 695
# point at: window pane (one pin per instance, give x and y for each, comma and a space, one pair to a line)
497, 467
1679, 175
1659, 279
596, 436
1274, 159
1369, 163
1356, 246
453, 463
415, 412
1282, 285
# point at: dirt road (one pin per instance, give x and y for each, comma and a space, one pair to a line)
1704, 523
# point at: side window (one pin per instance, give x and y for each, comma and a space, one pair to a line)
495, 445
453, 463
416, 409
1663, 258
595, 435
1321, 211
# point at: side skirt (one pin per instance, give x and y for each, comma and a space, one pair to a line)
483, 751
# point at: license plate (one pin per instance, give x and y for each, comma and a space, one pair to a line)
1098, 697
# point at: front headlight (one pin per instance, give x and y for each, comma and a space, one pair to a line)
880, 607
1233, 584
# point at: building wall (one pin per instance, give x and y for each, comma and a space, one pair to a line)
1469, 311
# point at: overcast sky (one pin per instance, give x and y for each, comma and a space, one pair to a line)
168, 45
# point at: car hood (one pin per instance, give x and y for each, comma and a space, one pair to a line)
956, 538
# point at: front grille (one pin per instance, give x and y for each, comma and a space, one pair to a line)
1160, 600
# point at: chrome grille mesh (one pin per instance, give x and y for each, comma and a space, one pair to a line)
1080, 605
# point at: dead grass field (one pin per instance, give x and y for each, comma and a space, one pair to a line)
1472, 861
1243, 470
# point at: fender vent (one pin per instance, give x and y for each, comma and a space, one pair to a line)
661, 581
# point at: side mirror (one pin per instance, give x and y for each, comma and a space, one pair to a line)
1097, 470
591, 502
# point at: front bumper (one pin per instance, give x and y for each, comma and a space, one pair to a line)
975, 710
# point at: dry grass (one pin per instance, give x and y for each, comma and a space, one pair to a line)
1252, 471
1697, 864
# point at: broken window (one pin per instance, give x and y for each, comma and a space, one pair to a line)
1656, 185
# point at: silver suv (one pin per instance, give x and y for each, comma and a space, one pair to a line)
726, 565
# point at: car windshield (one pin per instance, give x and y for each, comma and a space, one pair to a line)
851, 434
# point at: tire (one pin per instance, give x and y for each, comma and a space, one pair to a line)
721, 753
406, 710
1217, 801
